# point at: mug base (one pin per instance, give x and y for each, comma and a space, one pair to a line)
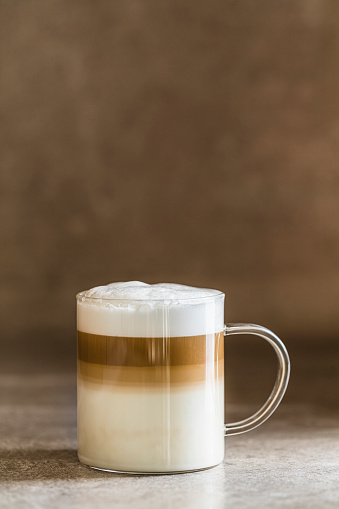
174, 472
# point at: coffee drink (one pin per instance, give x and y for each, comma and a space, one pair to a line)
150, 377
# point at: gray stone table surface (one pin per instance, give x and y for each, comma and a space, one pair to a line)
291, 461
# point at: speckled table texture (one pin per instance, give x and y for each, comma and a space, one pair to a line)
290, 461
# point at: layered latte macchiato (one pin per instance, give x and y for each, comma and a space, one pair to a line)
150, 377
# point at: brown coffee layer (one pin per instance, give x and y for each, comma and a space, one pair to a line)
161, 376
150, 352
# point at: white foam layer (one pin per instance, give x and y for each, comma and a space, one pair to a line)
135, 309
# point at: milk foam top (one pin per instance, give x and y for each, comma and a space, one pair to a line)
136, 309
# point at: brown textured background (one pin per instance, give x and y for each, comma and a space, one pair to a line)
182, 140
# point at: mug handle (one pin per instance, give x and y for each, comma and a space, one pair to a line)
281, 382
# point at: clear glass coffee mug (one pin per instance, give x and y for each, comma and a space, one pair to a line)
151, 378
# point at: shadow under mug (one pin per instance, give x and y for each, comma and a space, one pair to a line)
150, 383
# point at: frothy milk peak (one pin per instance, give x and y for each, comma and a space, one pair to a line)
136, 309
136, 290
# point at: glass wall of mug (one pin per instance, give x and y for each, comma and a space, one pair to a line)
151, 383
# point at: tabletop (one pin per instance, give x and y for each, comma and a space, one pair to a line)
290, 461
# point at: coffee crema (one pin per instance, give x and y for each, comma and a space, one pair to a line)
150, 360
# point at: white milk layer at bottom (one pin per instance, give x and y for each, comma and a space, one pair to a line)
158, 429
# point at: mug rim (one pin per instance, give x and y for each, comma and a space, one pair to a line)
81, 297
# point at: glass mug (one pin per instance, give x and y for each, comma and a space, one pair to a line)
151, 378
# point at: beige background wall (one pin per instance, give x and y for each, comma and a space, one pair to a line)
189, 141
